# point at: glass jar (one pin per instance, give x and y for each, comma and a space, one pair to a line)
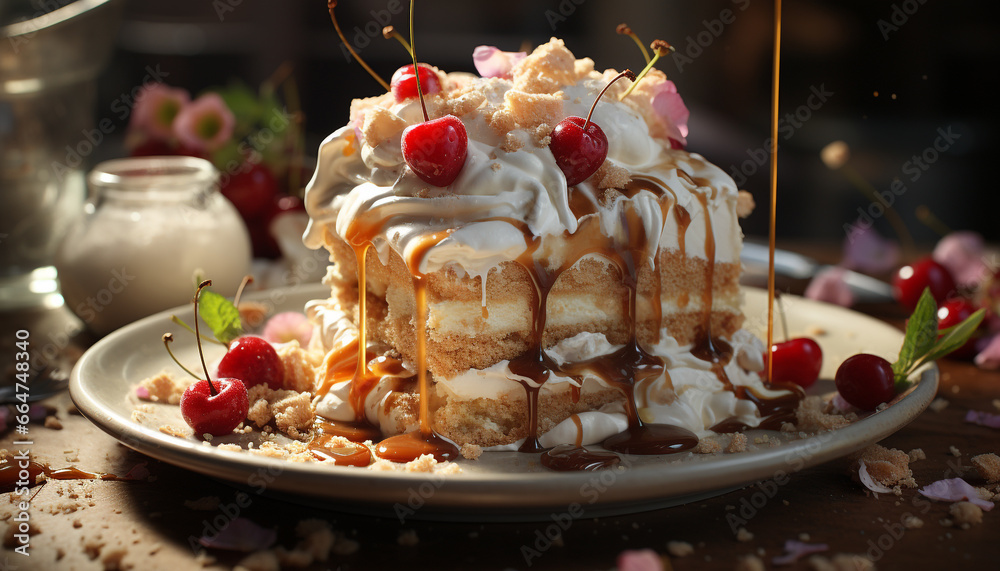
151, 225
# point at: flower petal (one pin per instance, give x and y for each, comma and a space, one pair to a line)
795, 550
240, 534
954, 490
156, 107
206, 124
983, 418
491, 62
989, 356
288, 326
962, 253
870, 483
828, 285
669, 107
866, 250
639, 560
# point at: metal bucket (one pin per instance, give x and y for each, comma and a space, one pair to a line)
49, 63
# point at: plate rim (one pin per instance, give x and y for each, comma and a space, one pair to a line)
549, 490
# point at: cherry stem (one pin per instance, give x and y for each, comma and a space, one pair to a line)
625, 30
239, 291
201, 354
178, 321
660, 49
416, 69
167, 339
331, 4
627, 73
389, 33
931, 220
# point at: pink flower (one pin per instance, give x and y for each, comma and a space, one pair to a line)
288, 326
491, 62
962, 253
639, 560
794, 550
870, 482
206, 124
240, 534
670, 108
828, 285
954, 490
989, 356
866, 250
983, 418
156, 107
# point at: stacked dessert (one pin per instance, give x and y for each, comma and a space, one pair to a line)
534, 309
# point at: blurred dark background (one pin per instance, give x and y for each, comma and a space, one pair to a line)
894, 77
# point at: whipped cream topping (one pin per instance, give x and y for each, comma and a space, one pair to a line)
509, 183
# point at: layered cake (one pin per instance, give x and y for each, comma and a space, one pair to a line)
510, 309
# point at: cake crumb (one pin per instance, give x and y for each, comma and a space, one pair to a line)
165, 387
916, 454
811, 416
966, 514
841, 562
300, 367
738, 443
381, 125
954, 451
744, 204
680, 548
259, 561
52, 422
610, 175
408, 538
749, 563
912, 522
708, 445
743, 535
291, 410
471, 451
938, 404
988, 466
888, 467
804, 537
174, 431
112, 559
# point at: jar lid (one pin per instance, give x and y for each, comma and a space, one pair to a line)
169, 173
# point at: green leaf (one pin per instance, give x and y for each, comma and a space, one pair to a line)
955, 337
921, 335
221, 316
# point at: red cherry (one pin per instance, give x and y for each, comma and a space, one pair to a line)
953, 312
910, 281
796, 361
254, 361
578, 154
404, 82
252, 191
866, 381
216, 414
435, 150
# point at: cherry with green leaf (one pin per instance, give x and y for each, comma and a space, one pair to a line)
863, 379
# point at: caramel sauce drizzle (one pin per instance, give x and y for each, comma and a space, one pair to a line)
10, 474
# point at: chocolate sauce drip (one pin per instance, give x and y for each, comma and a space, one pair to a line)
568, 458
10, 474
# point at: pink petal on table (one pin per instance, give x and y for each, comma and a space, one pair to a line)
795, 550
38, 412
241, 534
829, 286
867, 251
491, 62
142, 392
639, 560
138, 472
989, 356
954, 490
962, 253
205, 124
156, 107
288, 326
983, 418
869, 483
669, 107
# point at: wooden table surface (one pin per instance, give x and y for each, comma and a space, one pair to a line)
93, 524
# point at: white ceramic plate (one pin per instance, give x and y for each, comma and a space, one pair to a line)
502, 485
